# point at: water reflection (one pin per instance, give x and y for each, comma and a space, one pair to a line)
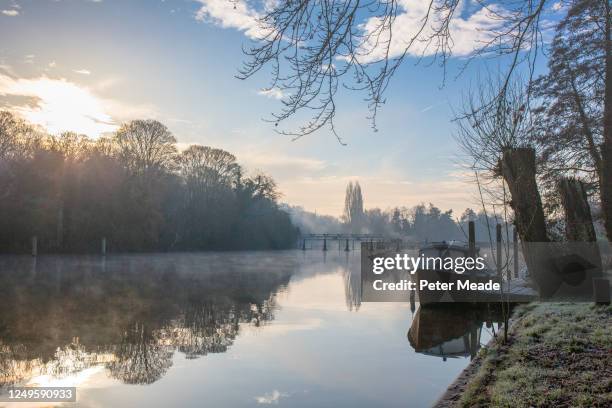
450, 332
61, 315
285, 324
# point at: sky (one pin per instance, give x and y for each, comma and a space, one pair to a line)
89, 65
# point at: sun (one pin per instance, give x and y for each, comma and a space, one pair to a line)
59, 105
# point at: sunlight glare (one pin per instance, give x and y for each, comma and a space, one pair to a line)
59, 105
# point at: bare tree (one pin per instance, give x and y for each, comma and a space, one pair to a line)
16, 136
574, 104
145, 146
262, 186
315, 47
203, 165
485, 131
72, 146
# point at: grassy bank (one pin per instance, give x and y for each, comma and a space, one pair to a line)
557, 354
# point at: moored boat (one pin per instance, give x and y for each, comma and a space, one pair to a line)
449, 283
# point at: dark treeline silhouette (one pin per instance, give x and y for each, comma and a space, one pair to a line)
133, 188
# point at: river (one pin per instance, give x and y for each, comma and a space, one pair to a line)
225, 329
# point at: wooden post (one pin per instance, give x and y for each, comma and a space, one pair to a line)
325, 243
601, 291
346, 247
34, 245
498, 235
60, 227
103, 247
304, 244
472, 238
515, 251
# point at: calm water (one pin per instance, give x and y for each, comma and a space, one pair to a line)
238, 329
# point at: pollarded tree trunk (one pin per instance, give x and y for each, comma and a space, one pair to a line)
580, 232
606, 187
519, 171
578, 221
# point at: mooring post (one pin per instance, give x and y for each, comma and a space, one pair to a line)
515, 250
103, 246
346, 247
472, 238
325, 243
304, 244
601, 291
498, 234
34, 245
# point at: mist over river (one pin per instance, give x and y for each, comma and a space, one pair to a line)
225, 329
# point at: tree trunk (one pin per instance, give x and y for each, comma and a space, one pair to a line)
578, 221
580, 233
519, 171
606, 154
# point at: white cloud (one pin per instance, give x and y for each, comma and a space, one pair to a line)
271, 398
58, 105
10, 13
274, 93
558, 6
468, 33
231, 14
82, 71
7, 69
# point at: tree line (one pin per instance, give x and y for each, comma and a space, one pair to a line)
133, 188
422, 222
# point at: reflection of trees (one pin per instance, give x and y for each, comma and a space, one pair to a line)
76, 313
212, 327
9, 373
352, 287
140, 358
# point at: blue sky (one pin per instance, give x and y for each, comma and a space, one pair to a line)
90, 65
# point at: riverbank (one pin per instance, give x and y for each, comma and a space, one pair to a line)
557, 354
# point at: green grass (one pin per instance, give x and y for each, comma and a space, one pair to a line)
558, 354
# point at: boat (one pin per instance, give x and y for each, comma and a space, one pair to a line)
451, 278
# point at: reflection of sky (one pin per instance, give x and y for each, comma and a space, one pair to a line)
315, 353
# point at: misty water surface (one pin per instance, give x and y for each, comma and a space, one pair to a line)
235, 329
